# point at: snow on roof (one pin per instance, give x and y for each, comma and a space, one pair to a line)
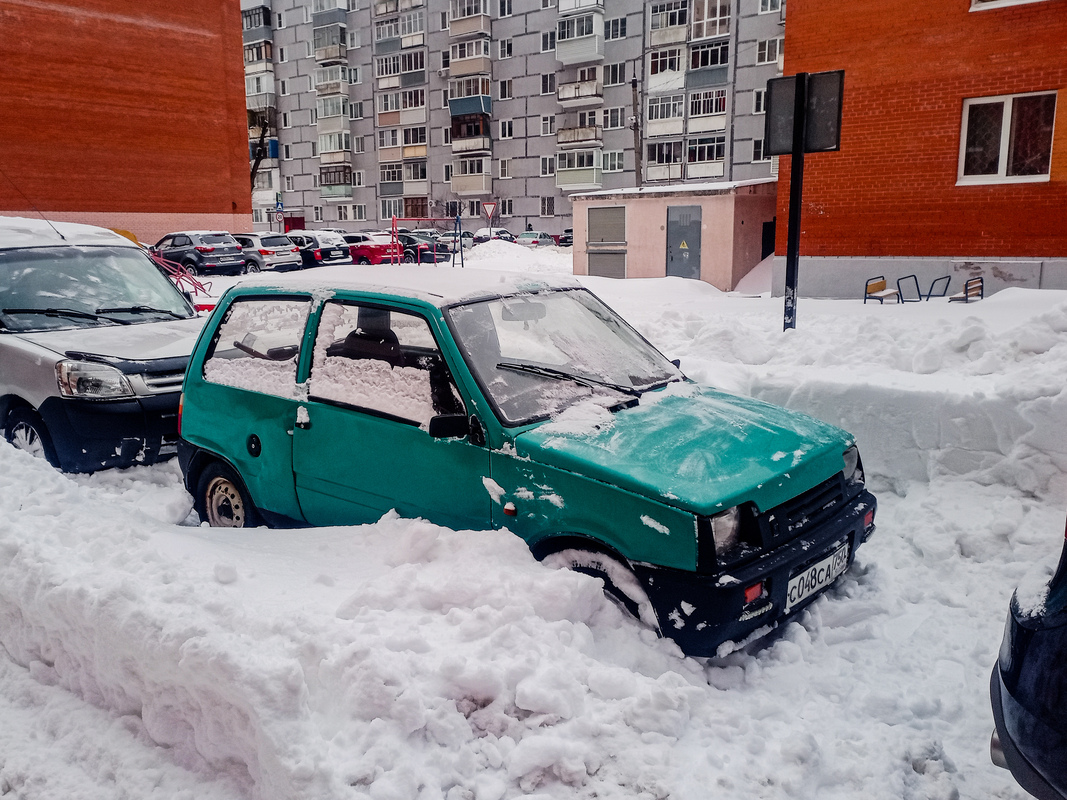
716, 187
28, 232
441, 285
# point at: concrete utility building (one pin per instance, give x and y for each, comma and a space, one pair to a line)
953, 155
124, 114
369, 109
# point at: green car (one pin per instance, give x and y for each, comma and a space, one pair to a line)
482, 400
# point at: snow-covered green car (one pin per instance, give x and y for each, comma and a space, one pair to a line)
483, 400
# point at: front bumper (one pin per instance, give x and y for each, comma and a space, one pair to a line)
91, 435
701, 612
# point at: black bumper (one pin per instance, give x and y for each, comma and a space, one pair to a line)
91, 435
701, 612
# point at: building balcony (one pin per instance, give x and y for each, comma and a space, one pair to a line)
580, 137
580, 93
414, 151
469, 26
331, 53
674, 34
332, 124
407, 5
570, 6
389, 154
335, 157
582, 49
471, 185
478, 65
270, 146
663, 172
579, 180
473, 144
476, 104
390, 188
705, 169
260, 102
342, 190
416, 188
382, 7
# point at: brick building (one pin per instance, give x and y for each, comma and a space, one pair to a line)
953, 153
124, 114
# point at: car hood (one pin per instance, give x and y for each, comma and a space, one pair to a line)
694, 448
145, 341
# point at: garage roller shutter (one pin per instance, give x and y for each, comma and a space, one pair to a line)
607, 265
607, 225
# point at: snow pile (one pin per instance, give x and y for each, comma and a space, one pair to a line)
499, 254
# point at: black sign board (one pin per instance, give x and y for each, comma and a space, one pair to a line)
822, 118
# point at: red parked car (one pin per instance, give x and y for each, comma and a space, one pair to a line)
374, 248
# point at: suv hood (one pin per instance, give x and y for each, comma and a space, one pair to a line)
693, 447
139, 342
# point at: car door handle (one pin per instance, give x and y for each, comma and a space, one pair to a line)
303, 421
303, 424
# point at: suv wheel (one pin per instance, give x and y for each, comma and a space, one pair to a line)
191, 268
222, 500
620, 583
251, 267
26, 430
409, 258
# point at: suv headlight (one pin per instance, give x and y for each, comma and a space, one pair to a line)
88, 379
853, 465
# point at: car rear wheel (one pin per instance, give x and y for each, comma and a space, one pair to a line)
191, 268
620, 583
364, 261
222, 500
409, 258
26, 430
251, 267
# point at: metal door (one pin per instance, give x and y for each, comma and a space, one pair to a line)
683, 241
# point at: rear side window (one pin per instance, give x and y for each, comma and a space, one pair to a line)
217, 238
383, 361
276, 241
257, 346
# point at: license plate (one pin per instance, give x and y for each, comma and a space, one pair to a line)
818, 576
226, 258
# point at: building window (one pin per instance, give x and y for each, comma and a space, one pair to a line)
444, 20
707, 148
284, 88
388, 137
358, 145
257, 216
472, 166
505, 48
548, 41
287, 153
355, 110
469, 8
548, 206
446, 59
615, 28
505, 168
577, 159
286, 123
413, 98
548, 125
1007, 139
548, 166
548, 83
614, 74
335, 105
769, 51
507, 128
666, 107
547, 3
613, 161
505, 90
314, 181
759, 101
468, 87
670, 14
767, 6
260, 51
703, 104
574, 27
448, 175
446, 136
505, 208
288, 183
391, 173
665, 153
282, 59
415, 61
343, 212
474, 208
387, 29
334, 142
412, 23
255, 18
415, 171
758, 153
505, 8
413, 136
359, 177
473, 48
710, 18
315, 149
444, 98
359, 212
355, 40
392, 207
665, 61
317, 213
614, 118
715, 54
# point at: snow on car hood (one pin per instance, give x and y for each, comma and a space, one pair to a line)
138, 342
693, 447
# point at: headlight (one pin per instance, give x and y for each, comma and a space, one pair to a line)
726, 530
853, 467
91, 380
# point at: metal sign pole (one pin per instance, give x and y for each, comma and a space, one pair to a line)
796, 193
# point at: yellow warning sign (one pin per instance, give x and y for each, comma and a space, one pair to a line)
684, 246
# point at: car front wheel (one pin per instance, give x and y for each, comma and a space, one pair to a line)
409, 258
190, 267
222, 500
26, 430
251, 267
620, 583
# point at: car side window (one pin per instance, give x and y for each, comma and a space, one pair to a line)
383, 361
257, 346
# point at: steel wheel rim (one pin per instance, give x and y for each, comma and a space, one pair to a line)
225, 506
26, 438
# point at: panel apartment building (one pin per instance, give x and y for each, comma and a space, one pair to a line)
360, 111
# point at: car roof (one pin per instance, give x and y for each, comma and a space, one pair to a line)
439, 286
29, 232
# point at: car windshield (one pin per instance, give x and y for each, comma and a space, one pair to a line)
537, 354
65, 287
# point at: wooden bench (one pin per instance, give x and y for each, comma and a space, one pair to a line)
877, 290
973, 289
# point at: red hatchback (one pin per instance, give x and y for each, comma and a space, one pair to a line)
374, 248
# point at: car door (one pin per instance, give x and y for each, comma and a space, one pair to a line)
361, 445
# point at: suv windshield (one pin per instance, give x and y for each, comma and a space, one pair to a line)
536, 354
43, 288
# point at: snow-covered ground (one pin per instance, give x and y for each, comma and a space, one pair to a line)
147, 657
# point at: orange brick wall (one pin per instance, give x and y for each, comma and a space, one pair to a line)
123, 107
891, 190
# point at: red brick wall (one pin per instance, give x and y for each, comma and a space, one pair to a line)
123, 106
891, 190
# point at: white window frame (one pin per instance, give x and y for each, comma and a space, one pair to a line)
759, 101
507, 129
1005, 142
504, 169
763, 50
770, 6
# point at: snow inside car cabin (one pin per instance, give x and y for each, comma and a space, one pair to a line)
146, 657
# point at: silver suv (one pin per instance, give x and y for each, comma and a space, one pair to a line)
94, 341
268, 251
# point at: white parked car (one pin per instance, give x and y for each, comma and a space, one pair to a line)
535, 239
450, 239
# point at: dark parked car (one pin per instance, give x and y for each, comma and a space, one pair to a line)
202, 252
94, 341
423, 250
485, 234
268, 251
1028, 689
321, 248
567, 239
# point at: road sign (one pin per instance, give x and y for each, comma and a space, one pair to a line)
279, 217
489, 209
278, 206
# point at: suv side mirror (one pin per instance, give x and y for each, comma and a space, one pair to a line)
449, 426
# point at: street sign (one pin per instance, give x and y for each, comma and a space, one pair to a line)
279, 217
278, 206
489, 209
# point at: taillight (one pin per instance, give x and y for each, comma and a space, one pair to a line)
295, 250
263, 252
868, 519
318, 255
203, 249
181, 402
238, 247
753, 592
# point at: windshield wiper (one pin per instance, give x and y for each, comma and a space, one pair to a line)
62, 312
139, 310
559, 374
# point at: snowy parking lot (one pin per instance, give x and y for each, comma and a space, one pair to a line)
144, 656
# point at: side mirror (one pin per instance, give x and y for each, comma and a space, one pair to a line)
449, 426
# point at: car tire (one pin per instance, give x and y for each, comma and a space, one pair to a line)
222, 500
191, 268
621, 585
26, 431
251, 267
364, 261
408, 258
